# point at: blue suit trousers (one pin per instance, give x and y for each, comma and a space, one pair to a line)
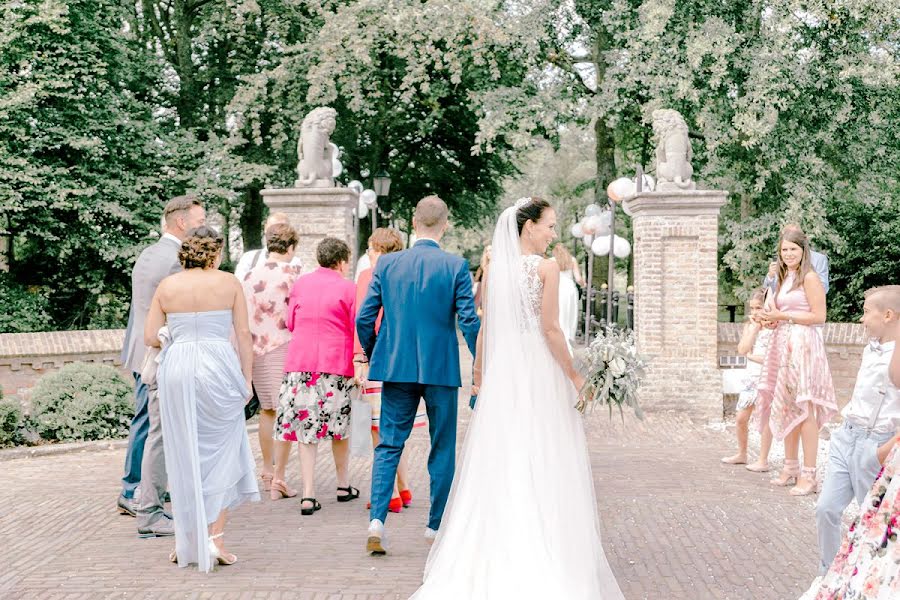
399, 402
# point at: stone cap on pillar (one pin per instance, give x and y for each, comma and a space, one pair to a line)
688, 202
279, 198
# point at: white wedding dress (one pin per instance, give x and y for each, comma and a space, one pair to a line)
568, 305
522, 518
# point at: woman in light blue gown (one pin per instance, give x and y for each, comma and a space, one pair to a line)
203, 386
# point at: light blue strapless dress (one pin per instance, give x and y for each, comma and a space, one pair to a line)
202, 392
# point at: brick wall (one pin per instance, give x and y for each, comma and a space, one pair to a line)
315, 213
675, 284
844, 344
25, 357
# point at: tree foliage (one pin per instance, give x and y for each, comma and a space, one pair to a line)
107, 108
79, 153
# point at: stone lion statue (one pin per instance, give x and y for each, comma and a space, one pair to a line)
673, 151
314, 150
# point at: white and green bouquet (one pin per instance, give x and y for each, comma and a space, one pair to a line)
613, 371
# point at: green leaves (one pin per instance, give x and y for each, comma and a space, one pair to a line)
82, 401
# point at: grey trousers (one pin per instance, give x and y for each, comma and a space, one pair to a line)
153, 468
852, 468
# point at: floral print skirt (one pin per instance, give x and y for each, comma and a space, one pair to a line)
868, 564
313, 407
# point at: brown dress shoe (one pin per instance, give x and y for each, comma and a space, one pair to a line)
374, 547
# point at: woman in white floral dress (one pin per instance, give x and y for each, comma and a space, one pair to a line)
868, 564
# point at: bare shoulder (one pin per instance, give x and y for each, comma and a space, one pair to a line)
812, 278
225, 278
548, 266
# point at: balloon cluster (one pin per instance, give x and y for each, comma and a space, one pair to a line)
368, 200
594, 230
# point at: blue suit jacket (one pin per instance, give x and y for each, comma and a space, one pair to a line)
424, 292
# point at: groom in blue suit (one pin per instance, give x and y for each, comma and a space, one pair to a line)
425, 292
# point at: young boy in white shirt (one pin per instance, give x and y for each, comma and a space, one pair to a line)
871, 421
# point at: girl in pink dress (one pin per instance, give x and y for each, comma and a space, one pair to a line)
796, 393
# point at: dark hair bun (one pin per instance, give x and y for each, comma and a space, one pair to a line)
200, 248
531, 211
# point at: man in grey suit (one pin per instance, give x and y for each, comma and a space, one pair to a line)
144, 459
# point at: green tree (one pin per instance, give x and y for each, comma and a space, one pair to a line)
79, 155
793, 106
406, 79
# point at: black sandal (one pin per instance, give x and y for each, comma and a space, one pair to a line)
308, 511
352, 494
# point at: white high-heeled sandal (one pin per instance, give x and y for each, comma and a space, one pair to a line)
216, 555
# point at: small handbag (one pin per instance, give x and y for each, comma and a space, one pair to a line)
151, 357
149, 366
252, 406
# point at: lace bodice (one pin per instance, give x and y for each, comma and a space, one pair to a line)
532, 290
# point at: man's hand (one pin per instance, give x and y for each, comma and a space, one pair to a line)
773, 270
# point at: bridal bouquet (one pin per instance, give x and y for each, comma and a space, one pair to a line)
614, 371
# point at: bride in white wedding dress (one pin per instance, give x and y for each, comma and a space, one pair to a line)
522, 518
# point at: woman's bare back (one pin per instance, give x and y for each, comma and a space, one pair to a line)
199, 290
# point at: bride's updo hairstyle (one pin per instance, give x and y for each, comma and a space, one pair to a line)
200, 248
532, 210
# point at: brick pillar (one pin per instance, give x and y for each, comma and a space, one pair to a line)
315, 213
676, 297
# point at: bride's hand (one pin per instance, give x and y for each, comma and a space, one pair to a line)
578, 381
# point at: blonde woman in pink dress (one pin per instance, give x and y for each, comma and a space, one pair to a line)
796, 392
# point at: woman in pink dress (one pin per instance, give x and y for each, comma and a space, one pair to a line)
318, 370
796, 393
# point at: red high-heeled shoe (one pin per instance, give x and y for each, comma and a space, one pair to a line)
406, 496
395, 505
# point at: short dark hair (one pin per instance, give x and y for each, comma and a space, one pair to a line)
180, 203
280, 237
431, 212
331, 252
532, 211
200, 248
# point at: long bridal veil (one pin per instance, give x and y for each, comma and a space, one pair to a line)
521, 521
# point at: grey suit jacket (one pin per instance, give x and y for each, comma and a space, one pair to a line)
154, 264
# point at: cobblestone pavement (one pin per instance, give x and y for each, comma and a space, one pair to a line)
676, 525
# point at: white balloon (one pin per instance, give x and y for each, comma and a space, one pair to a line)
577, 230
362, 210
626, 207
356, 186
600, 247
369, 198
601, 226
335, 151
591, 210
588, 240
336, 168
620, 189
621, 247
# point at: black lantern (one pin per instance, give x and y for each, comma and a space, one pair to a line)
382, 183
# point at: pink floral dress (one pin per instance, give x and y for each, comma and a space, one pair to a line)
868, 564
314, 407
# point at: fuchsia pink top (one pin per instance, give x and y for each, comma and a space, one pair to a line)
321, 315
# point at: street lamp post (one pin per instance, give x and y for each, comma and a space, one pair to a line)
382, 184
